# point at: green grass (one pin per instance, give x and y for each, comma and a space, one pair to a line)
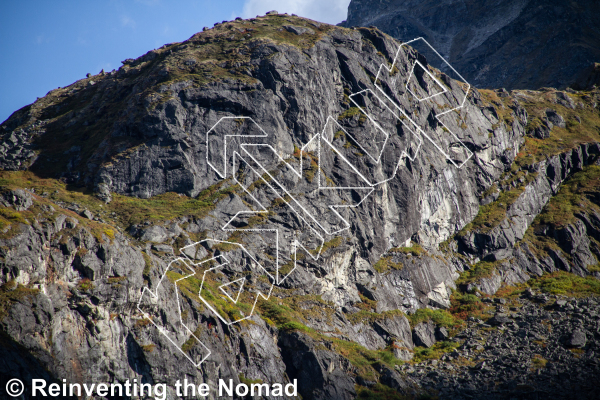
363, 359
190, 287
492, 214
350, 113
565, 283
224, 52
114, 280
594, 268
281, 316
577, 194
415, 250
85, 285
386, 264
439, 317
561, 139
331, 244
12, 292
149, 348
538, 362
122, 211
482, 269
464, 305
502, 106
535, 150
247, 381
434, 352
288, 316
191, 342
147, 266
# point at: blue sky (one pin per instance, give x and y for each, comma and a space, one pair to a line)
47, 44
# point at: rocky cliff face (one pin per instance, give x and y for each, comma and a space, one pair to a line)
278, 199
518, 44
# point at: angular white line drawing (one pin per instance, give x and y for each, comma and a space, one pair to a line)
243, 155
412, 71
153, 297
384, 69
223, 262
239, 290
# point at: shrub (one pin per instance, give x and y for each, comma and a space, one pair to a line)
434, 352
465, 305
85, 285
439, 317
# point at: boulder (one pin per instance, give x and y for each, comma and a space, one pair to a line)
441, 333
321, 374
154, 233
165, 248
391, 378
298, 30
577, 339
397, 328
499, 319
424, 334
555, 118
87, 214
403, 353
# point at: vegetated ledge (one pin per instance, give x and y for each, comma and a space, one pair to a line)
502, 223
566, 230
508, 233
562, 236
581, 127
539, 168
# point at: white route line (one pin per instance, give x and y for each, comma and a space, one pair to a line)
224, 174
383, 68
242, 280
278, 188
412, 70
154, 297
258, 293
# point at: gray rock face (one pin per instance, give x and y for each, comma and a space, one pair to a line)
298, 30
498, 244
320, 373
441, 333
154, 233
555, 118
76, 314
403, 354
424, 334
19, 199
484, 42
396, 329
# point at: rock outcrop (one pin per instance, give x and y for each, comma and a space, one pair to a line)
277, 199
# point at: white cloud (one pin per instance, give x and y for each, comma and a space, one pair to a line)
127, 22
42, 39
330, 11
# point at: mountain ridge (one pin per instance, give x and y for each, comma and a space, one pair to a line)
519, 44
107, 181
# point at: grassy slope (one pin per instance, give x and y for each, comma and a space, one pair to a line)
513, 183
